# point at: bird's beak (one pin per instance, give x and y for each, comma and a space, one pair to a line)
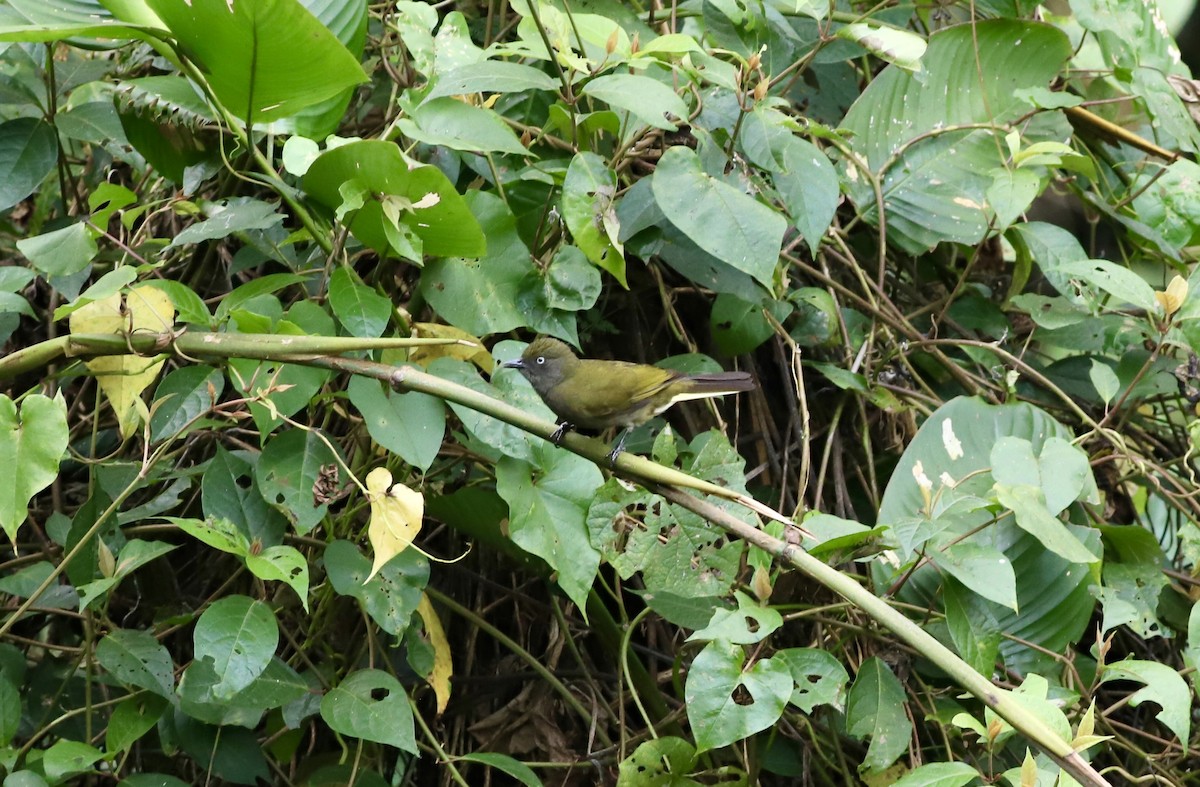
517, 364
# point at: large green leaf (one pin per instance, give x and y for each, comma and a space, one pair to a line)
239, 635
289, 471
547, 504
718, 685
875, 709
28, 151
264, 59
32, 443
39, 20
435, 212
727, 223
347, 20
906, 128
956, 443
371, 705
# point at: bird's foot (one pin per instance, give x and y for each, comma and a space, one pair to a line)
561, 432
618, 448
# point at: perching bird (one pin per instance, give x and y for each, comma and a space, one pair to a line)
599, 394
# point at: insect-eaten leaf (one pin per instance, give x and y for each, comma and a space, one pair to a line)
396, 513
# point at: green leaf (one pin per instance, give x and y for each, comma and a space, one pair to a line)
135, 554
460, 126
938, 774
288, 387
502, 762
488, 435
264, 59
10, 709
239, 635
898, 47
661, 762
484, 296
132, 719
68, 758
1163, 686
732, 226
32, 443
587, 205
371, 705
216, 532
28, 152
808, 183
282, 564
1055, 610
1130, 596
438, 215
137, 659
234, 215
61, 252
934, 176
392, 595
547, 503
1104, 380
411, 425
228, 491
263, 285
1028, 505
34, 20
1116, 280
185, 395
490, 76
820, 679
298, 155
648, 100
740, 326
185, 300
571, 283
984, 569
348, 22
751, 622
973, 625
290, 470
1011, 193
875, 710
716, 716
361, 310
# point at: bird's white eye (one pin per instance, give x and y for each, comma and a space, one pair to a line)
541, 359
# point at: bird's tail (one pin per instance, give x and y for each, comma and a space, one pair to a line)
702, 386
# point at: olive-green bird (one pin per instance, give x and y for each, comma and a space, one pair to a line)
599, 394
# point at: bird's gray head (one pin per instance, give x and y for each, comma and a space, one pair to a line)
544, 363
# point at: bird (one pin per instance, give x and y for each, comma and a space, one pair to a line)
596, 394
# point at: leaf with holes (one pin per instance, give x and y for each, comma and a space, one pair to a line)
727, 702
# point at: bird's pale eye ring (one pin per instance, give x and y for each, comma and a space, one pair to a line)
541, 360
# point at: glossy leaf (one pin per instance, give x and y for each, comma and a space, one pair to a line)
265, 59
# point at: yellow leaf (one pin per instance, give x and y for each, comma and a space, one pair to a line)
396, 514
469, 348
443, 667
122, 378
1029, 770
1173, 297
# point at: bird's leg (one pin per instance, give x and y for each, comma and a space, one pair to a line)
561, 432
619, 447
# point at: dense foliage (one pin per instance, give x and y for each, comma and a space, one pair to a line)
275, 513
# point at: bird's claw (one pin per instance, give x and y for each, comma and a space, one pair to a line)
560, 433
